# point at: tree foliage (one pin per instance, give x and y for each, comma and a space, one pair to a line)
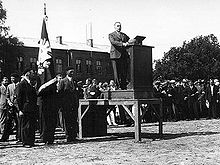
9, 46
196, 59
3, 29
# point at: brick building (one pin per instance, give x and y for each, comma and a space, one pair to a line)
88, 61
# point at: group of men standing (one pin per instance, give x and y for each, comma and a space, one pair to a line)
24, 97
188, 100
8, 107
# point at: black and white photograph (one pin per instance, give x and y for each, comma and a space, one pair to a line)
109, 82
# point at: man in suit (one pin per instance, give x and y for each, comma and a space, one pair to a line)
119, 55
192, 101
4, 126
12, 102
211, 98
67, 89
48, 92
27, 105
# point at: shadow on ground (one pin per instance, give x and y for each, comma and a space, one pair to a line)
116, 136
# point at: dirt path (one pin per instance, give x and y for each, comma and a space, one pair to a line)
184, 143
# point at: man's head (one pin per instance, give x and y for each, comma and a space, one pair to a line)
211, 81
94, 81
59, 77
190, 83
70, 71
5, 81
88, 81
28, 73
117, 26
112, 83
14, 78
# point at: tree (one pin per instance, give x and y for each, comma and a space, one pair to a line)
197, 59
3, 29
9, 46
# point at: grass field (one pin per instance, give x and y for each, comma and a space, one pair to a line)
183, 143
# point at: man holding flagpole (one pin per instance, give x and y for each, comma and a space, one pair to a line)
45, 59
47, 93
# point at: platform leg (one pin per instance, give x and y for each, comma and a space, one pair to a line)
161, 121
136, 110
80, 120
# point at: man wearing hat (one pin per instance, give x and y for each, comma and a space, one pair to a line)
27, 105
211, 95
185, 96
69, 94
49, 113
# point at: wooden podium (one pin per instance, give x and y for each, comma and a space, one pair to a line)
139, 75
140, 91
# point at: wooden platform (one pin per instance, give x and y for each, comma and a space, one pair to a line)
134, 103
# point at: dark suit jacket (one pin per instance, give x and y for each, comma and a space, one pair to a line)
209, 96
193, 94
117, 50
3, 98
68, 92
26, 97
50, 100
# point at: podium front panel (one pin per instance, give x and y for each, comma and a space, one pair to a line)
140, 70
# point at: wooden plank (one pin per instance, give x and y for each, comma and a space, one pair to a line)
84, 112
80, 120
161, 121
137, 126
135, 103
129, 112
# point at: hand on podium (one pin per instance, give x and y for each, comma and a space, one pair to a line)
131, 41
125, 44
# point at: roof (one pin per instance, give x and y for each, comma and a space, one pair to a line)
33, 42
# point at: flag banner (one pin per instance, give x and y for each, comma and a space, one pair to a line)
45, 62
45, 52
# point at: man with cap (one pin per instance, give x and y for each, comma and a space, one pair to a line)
185, 96
50, 106
193, 101
27, 105
67, 88
211, 95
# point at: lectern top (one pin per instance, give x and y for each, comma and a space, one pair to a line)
139, 40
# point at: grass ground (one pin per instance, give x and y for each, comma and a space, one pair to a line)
183, 143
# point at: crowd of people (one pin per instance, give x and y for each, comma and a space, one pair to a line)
188, 100
27, 107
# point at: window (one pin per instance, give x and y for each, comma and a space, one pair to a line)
78, 66
98, 67
33, 63
109, 68
20, 64
88, 66
59, 65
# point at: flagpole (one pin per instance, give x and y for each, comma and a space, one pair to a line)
45, 13
45, 59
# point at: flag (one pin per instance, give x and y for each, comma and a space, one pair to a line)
45, 58
45, 52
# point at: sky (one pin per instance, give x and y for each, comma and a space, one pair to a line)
165, 23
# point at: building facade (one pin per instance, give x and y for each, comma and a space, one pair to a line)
88, 61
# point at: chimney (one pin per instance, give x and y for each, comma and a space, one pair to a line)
59, 40
89, 40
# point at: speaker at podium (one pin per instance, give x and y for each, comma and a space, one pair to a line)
140, 74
